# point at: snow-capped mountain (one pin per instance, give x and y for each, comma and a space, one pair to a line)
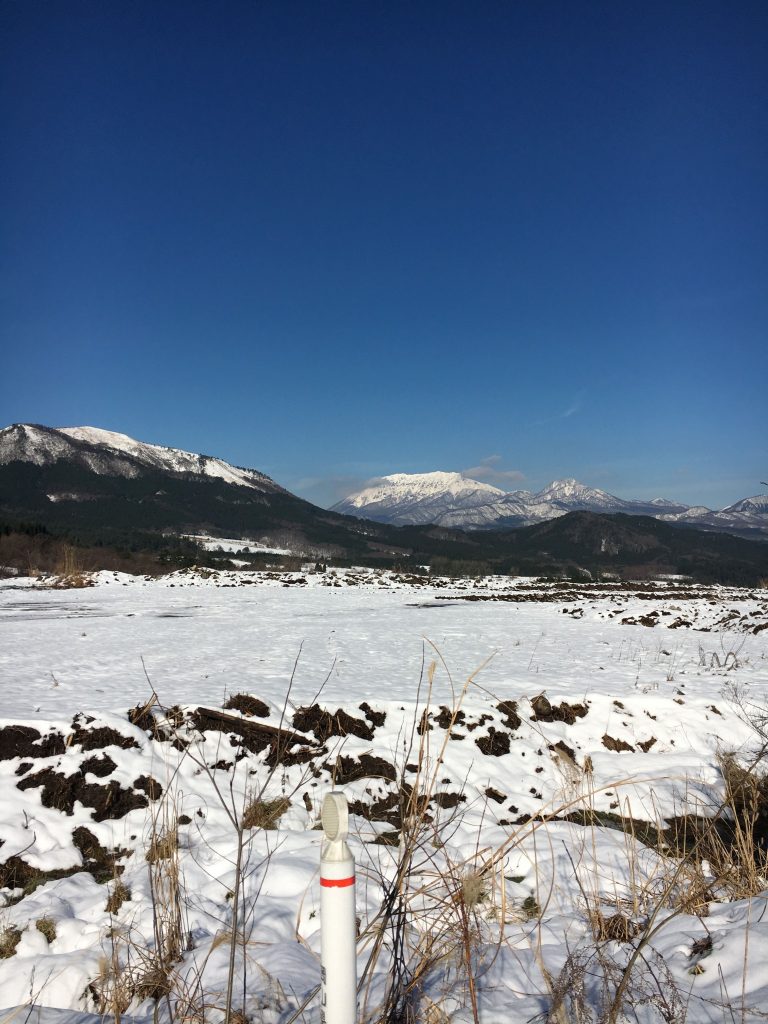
450, 500
107, 453
747, 514
417, 498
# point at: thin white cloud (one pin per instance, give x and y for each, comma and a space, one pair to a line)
489, 471
575, 406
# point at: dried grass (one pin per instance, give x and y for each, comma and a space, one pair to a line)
47, 927
119, 895
264, 814
9, 940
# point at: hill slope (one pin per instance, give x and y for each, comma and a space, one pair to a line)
94, 487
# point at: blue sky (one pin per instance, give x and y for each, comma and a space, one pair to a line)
337, 240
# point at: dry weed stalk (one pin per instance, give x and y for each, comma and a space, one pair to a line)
437, 911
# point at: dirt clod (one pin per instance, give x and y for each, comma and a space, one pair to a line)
102, 736
98, 766
376, 718
366, 766
544, 711
611, 743
323, 724
108, 800
508, 708
494, 744
24, 741
247, 705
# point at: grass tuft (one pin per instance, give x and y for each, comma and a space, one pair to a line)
47, 927
163, 846
265, 814
119, 895
9, 940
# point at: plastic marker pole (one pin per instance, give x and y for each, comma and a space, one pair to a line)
338, 965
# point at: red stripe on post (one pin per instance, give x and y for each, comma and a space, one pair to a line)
337, 882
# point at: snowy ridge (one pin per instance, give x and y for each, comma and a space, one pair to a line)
106, 452
417, 497
451, 500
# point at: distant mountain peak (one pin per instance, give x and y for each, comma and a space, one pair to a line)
430, 483
451, 500
569, 488
415, 498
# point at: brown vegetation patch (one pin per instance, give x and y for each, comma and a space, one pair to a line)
163, 846
616, 927
9, 940
747, 796
265, 814
118, 895
47, 927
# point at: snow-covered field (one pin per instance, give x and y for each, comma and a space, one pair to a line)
511, 703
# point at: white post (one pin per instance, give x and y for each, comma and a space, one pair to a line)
338, 928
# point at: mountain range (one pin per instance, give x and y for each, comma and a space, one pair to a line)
452, 500
129, 504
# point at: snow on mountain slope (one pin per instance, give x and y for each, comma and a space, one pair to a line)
451, 500
417, 498
747, 514
756, 505
571, 494
105, 452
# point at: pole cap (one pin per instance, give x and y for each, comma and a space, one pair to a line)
334, 817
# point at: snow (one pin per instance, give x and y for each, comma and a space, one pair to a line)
173, 459
108, 452
357, 636
235, 544
451, 500
417, 497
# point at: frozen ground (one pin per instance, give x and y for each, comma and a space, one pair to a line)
613, 698
201, 637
